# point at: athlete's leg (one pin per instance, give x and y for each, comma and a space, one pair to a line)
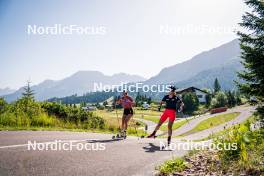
128, 117
123, 122
172, 117
159, 125
163, 118
170, 124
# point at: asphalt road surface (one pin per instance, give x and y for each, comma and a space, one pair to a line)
132, 156
104, 156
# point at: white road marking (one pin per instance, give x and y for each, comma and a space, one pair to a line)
52, 142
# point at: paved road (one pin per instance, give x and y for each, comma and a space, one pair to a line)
245, 112
132, 156
151, 125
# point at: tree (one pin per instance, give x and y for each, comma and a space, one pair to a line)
238, 98
252, 46
140, 99
217, 86
191, 102
3, 104
208, 99
82, 104
220, 100
105, 103
28, 92
27, 104
231, 99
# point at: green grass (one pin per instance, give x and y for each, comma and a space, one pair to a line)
130, 131
250, 119
212, 122
175, 126
150, 115
111, 117
172, 165
151, 118
8, 121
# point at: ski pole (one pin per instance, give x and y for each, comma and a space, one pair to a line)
119, 128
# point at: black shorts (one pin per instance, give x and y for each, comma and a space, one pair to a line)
128, 111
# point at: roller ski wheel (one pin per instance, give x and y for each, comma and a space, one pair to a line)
152, 137
119, 136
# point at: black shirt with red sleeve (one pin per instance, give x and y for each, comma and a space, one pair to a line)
171, 102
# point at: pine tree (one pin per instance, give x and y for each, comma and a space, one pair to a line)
28, 92
252, 46
231, 99
217, 86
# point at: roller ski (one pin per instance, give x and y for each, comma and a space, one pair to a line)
152, 135
121, 135
167, 147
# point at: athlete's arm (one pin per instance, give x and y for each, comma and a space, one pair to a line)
132, 101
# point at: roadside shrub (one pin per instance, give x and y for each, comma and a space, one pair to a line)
249, 156
95, 122
8, 119
245, 139
28, 113
173, 165
3, 105
220, 100
44, 120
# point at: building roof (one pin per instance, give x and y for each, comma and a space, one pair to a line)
190, 89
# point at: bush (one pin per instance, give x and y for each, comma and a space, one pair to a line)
8, 119
3, 105
44, 120
220, 100
173, 165
191, 102
250, 144
208, 100
28, 113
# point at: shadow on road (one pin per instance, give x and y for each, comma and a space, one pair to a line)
104, 141
151, 148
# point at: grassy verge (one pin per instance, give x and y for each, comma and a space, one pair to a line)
175, 126
44, 122
246, 159
171, 166
250, 119
141, 114
131, 131
212, 122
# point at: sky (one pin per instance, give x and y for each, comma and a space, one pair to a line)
132, 36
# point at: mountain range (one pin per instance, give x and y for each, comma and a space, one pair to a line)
78, 83
216, 58
200, 71
6, 91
